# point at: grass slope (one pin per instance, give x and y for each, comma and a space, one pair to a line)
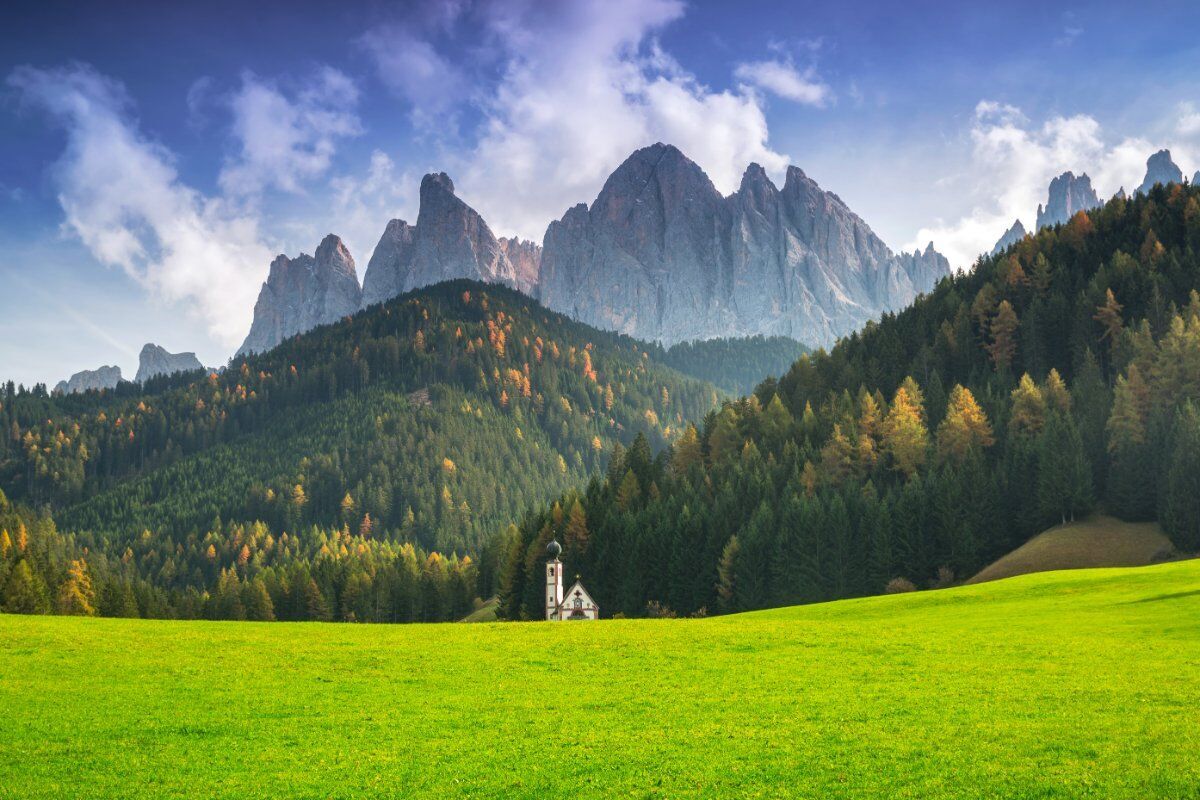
485, 613
1098, 541
1075, 684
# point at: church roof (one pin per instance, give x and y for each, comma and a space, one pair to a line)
569, 596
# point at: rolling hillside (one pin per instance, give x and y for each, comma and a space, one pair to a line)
1098, 541
1057, 685
431, 421
442, 414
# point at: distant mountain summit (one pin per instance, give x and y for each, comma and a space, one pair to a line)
1160, 168
662, 255
302, 293
88, 379
450, 240
1068, 196
154, 361
1011, 236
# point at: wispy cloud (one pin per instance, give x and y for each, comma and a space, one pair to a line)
1068, 35
781, 77
123, 198
1189, 120
285, 140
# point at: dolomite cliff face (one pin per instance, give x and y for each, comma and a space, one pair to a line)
450, 240
155, 360
662, 255
302, 293
1160, 168
1068, 195
88, 379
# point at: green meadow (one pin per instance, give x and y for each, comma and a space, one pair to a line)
1066, 684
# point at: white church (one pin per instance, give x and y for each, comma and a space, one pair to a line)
578, 604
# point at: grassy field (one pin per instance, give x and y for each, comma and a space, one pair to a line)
1098, 541
1067, 684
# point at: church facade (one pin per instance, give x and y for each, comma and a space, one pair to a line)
576, 603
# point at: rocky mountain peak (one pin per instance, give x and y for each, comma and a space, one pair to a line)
155, 360
1160, 168
89, 379
303, 292
1068, 195
757, 184
384, 278
333, 255
450, 240
1011, 236
662, 166
436, 182
662, 255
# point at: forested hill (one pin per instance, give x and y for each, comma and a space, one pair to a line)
437, 416
1060, 374
432, 420
735, 366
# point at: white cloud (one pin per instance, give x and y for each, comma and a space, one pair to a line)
362, 205
781, 77
1189, 120
1012, 166
124, 200
581, 86
285, 141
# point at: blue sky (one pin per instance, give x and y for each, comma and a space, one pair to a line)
157, 156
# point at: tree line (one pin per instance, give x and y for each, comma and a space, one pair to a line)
1057, 376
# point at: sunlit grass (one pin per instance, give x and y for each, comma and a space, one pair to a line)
1069, 684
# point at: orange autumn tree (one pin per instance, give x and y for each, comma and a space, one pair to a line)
965, 427
905, 437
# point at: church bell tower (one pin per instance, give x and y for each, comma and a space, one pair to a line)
554, 586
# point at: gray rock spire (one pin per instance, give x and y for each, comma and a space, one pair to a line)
1160, 169
155, 360
302, 293
1068, 196
450, 240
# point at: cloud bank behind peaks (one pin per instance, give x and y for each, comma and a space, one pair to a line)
579, 87
1013, 162
123, 198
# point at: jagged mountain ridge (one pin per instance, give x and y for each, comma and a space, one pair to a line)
1068, 195
86, 380
662, 255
